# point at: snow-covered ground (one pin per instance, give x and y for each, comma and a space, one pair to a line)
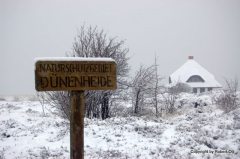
204, 132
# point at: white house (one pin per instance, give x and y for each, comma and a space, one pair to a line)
195, 76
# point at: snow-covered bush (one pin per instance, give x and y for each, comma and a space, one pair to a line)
169, 95
92, 42
228, 99
45, 153
2, 153
184, 87
142, 86
120, 110
227, 102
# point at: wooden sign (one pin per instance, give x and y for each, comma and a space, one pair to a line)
74, 73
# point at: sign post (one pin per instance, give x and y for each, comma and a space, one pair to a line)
77, 124
75, 74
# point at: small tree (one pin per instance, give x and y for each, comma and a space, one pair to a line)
156, 89
145, 88
228, 99
142, 84
94, 43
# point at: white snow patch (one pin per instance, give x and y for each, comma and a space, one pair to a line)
72, 59
26, 133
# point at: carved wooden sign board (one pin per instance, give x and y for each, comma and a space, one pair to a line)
75, 73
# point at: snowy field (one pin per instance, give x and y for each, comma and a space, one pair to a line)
204, 132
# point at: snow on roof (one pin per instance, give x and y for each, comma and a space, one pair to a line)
190, 68
72, 59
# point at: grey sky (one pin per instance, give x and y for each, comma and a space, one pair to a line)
208, 30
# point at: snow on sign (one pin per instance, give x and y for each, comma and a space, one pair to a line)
75, 73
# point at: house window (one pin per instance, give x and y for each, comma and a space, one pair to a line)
194, 90
202, 90
209, 89
195, 78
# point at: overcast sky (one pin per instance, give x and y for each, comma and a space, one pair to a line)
207, 29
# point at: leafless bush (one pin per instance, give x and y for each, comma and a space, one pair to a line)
142, 86
170, 95
59, 100
228, 99
41, 98
213, 96
145, 90
120, 110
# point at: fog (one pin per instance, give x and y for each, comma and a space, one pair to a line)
173, 30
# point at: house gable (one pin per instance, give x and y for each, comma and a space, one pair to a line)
194, 75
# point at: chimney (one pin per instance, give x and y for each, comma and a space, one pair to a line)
190, 57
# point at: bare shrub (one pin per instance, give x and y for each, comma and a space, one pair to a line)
145, 90
228, 99
2, 153
142, 85
59, 100
213, 96
41, 98
119, 109
45, 153
170, 94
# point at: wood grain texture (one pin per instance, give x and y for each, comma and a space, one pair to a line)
77, 125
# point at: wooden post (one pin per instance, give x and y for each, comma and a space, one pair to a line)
77, 125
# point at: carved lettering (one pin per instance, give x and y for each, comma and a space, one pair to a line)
103, 81
77, 81
42, 67
62, 81
93, 81
109, 81
74, 75
56, 82
42, 83
49, 68
70, 82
